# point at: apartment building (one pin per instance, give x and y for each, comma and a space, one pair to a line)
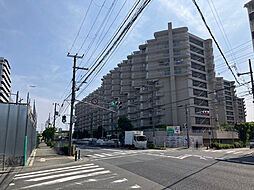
5, 85
230, 108
250, 8
155, 83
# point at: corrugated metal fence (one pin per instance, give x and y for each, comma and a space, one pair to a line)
16, 123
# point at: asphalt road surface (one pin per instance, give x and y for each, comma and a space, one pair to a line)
146, 169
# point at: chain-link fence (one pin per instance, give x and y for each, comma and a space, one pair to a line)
17, 134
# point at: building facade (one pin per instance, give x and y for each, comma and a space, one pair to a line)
250, 8
5, 85
230, 108
155, 84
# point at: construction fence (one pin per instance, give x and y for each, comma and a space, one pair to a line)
17, 134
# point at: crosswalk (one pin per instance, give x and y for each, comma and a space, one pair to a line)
67, 176
113, 154
231, 151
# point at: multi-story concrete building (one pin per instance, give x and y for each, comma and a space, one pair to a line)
230, 108
156, 82
250, 7
5, 85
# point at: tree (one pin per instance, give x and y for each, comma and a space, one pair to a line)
49, 134
226, 126
243, 131
124, 124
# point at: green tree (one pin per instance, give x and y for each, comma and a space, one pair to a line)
49, 134
243, 131
226, 126
124, 124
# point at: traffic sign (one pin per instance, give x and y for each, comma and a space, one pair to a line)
94, 101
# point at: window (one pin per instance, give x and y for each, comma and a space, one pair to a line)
195, 41
199, 84
228, 93
202, 121
229, 103
200, 102
163, 63
230, 113
178, 71
201, 111
197, 66
251, 16
230, 118
167, 72
229, 108
200, 93
197, 58
198, 75
227, 88
196, 50
228, 98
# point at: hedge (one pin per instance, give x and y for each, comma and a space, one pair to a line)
227, 146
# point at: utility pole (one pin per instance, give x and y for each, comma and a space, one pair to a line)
251, 77
75, 57
54, 123
187, 125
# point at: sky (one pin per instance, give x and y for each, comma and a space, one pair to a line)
35, 37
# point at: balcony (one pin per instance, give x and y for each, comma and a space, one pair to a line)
116, 81
125, 82
138, 68
125, 68
159, 93
158, 57
125, 75
138, 60
144, 106
115, 93
138, 82
116, 87
158, 74
138, 75
126, 88
156, 66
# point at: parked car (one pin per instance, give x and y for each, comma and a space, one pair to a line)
100, 142
252, 143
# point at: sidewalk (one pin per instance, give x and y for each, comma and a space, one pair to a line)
45, 156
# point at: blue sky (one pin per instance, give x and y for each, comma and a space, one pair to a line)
35, 37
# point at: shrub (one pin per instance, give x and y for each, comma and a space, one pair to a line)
65, 149
227, 146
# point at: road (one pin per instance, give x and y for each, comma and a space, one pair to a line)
146, 169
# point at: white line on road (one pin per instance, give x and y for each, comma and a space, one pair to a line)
54, 172
57, 169
120, 180
66, 179
114, 157
238, 152
99, 155
135, 186
65, 174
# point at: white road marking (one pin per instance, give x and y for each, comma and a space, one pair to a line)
230, 151
66, 179
135, 186
107, 154
208, 157
238, 152
184, 156
120, 180
11, 184
64, 174
99, 155
57, 169
43, 174
114, 157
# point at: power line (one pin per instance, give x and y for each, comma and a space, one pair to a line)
91, 26
81, 25
210, 32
